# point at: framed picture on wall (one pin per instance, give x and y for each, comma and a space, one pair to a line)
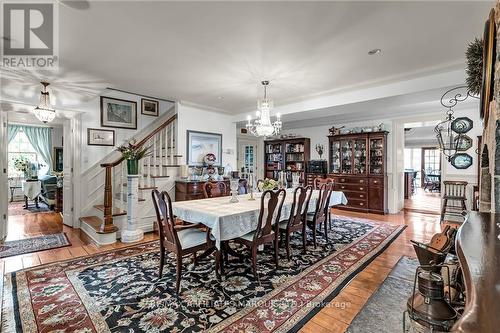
200, 144
100, 137
118, 113
58, 159
149, 107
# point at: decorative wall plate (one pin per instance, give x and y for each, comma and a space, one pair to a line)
465, 143
461, 161
462, 125
488, 66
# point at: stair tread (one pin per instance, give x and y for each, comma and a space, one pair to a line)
117, 196
144, 188
93, 221
116, 211
159, 176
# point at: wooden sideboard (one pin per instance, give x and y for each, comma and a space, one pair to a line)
192, 189
478, 250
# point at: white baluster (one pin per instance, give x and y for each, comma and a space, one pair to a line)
172, 152
165, 151
160, 152
148, 173
154, 157
123, 180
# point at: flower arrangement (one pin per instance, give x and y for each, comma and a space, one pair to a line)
269, 184
21, 163
131, 152
209, 159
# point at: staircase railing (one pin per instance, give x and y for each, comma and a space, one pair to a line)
163, 156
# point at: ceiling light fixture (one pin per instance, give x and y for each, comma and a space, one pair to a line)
374, 51
44, 111
262, 126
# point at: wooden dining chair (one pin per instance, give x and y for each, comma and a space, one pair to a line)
271, 204
320, 215
182, 240
298, 217
318, 182
214, 189
242, 186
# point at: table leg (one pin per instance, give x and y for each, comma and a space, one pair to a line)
12, 194
36, 202
25, 202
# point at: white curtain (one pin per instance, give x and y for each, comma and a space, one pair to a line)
13, 130
41, 140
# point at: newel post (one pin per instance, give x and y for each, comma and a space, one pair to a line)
108, 226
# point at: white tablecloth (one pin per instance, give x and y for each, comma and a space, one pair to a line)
230, 220
31, 189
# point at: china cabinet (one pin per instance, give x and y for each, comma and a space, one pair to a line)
357, 164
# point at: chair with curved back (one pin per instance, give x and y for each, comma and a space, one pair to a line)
298, 217
182, 240
242, 186
318, 182
267, 224
214, 189
321, 213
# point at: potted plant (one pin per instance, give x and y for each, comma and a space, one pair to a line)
133, 154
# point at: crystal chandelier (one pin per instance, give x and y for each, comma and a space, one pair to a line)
44, 111
262, 126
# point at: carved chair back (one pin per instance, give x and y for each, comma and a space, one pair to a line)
318, 182
242, 186
322, 204
166, 221
214, 189
298, 212
271, 204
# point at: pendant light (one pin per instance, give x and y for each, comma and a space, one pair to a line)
44, 111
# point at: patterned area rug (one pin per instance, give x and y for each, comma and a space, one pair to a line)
34, 244
120, 291
384, 310
16, 208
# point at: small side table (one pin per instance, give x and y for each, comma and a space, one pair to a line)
12, 190
31, 190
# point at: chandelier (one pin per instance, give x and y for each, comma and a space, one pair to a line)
448, 132
44, 111
262, 126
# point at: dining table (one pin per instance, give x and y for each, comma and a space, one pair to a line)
227, 220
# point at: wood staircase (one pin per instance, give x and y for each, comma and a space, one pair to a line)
160, 165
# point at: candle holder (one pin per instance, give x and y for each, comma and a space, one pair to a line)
250, 186
234, 190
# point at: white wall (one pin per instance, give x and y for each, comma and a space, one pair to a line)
57, 136
92, 119
198, 119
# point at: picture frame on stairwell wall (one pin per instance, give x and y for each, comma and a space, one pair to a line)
100, 137
150, 107
118, 113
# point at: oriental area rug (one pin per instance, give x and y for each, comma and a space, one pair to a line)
33, 244
120, 291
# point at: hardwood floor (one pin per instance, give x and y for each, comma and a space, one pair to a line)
333, 318
424, 202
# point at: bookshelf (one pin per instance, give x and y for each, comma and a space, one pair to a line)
290, 155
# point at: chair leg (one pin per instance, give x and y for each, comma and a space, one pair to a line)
326, 229
304, 238
287, 244
276, 252
314, 234
162, 261
195, 259
330, 218
443, 209
179, 272
254, 260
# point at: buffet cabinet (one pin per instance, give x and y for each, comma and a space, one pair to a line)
192, 189
357, 165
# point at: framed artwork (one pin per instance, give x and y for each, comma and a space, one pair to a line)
100, 137
149, 107
488, 66
200, 144
465, 142
58, 159
461, 161
118, 113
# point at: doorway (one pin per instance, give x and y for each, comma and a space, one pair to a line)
422, 164
34, 171
248, 158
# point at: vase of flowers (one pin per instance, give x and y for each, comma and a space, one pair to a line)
269, 184
133, 155
21, 163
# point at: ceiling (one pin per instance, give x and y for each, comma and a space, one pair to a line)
216, 53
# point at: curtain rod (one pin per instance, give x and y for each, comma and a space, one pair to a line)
133, 93
29, 125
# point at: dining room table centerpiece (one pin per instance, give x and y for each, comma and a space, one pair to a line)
133, 154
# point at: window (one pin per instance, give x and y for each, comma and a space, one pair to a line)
20, 146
